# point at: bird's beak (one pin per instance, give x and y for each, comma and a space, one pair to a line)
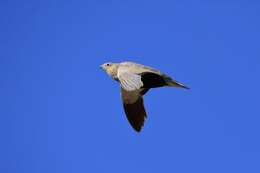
101, 66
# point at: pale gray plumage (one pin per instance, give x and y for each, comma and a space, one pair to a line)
135, 80
130, 81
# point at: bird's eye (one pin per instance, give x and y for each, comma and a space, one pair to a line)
107, 64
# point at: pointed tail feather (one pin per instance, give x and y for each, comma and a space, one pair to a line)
176, 84
171, 82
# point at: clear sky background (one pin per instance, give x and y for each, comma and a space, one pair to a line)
60, 113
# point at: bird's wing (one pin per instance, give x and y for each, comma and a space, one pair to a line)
129, 81
134, 108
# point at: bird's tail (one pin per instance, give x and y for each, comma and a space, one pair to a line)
177, 84
174, 83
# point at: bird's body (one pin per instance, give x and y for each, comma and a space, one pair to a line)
135, 80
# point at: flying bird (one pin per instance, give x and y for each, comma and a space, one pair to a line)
135, 80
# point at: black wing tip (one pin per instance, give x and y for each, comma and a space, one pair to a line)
137, 129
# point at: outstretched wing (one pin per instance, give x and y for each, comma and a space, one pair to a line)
130, 81
134, 108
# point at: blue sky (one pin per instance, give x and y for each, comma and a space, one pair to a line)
61, 114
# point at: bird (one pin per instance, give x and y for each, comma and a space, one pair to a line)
135, 81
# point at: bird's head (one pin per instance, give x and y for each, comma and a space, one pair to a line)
110, 68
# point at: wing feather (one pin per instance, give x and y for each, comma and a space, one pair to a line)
130, 81
134, 108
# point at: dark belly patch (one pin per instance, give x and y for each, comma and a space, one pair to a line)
152, 80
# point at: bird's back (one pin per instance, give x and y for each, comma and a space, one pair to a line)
136, 68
